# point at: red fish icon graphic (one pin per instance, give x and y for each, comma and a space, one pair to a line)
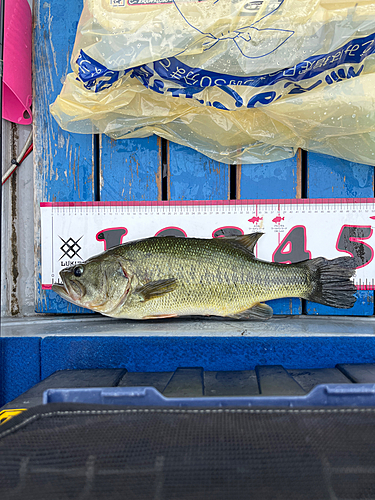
255, 220
278, 219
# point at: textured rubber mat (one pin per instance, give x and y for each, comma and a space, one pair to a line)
62, 451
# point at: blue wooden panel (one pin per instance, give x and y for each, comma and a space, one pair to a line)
157, 354
193, 176
130, 169
19, 366
275, 180
330, 177
64, 166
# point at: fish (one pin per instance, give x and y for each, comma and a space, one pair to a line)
278, 219
255, 220
164, 277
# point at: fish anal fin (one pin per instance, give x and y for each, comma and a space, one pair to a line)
258, 311
155, 289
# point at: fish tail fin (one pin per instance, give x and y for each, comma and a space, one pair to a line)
331, 281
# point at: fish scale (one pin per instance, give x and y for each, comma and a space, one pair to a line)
169, 276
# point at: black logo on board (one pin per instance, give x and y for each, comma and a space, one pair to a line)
70, 248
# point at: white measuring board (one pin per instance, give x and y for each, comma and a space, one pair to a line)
294, 230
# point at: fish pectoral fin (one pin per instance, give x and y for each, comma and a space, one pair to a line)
257, 311
155, 289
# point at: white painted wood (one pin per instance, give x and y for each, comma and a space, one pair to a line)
17, 239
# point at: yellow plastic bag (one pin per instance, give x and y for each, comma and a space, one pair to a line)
239, 81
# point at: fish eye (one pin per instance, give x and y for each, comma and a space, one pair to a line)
78, 271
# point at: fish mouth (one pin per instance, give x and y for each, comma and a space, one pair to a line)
70, 290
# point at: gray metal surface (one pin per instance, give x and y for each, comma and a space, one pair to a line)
159, 380
360, 374
241, 383
294, 326
275, 380
186, 383
309, 378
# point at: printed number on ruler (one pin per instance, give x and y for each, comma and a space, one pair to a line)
291, 249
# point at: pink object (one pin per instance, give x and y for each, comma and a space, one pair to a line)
17, 91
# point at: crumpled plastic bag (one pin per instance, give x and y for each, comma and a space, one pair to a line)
240, 81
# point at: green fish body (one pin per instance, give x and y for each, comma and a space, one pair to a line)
169, 276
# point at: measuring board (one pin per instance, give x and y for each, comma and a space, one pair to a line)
294, 230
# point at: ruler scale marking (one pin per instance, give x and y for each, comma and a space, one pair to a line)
141, 220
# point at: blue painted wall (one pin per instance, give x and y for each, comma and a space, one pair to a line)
19, 366
217, 353
130, 169
275, 180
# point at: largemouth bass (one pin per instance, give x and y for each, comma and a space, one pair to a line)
164, 277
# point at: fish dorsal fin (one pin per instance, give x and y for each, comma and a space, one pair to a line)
155, 289
247, 241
